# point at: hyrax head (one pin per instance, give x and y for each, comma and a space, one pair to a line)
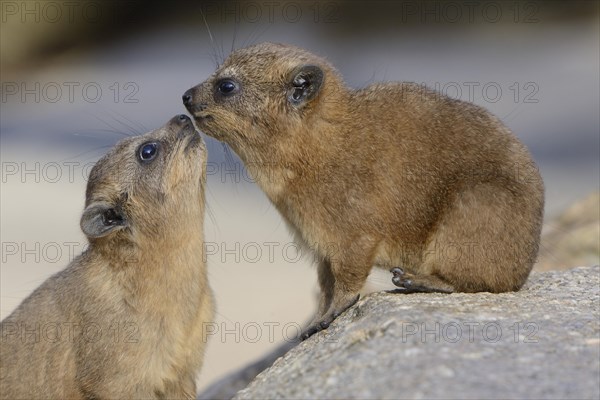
147, 183
260, 93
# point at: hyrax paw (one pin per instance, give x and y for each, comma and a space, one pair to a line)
317, 326
327, 319
398, 277
402, 280
418, 284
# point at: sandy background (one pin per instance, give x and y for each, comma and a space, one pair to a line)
264, 289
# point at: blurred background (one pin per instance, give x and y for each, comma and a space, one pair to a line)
78, 76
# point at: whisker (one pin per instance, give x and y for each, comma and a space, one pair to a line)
109, 125
211, 214
229, 159
132, 130
235, 29
213, 52
81, 135
133, 123
222, 53
110, 131
256, 35
558, 228
507, 116
86, 152
207, 28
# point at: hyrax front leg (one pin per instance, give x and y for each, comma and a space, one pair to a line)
340, 284
419, 283
326, 283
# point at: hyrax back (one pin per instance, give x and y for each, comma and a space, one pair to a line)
393, 175
125, 319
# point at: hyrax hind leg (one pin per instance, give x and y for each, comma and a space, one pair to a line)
486, 241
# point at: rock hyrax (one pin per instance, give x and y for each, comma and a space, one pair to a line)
435, 189
125, 318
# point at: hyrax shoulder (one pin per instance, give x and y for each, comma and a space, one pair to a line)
125, 318
437, 190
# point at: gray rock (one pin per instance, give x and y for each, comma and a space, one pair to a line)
226, 387
540, 342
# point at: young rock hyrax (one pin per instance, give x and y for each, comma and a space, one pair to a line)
435, 189
125, 319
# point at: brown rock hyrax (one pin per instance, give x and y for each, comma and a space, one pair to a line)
125, 319
435, 189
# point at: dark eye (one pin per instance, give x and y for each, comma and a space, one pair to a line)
227, 87
148, 151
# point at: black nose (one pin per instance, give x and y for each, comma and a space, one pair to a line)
187, 97
180, 120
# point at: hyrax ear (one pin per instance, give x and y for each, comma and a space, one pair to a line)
101, 218
304, 84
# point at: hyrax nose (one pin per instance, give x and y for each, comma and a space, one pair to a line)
180, 120
187, 98
188, 102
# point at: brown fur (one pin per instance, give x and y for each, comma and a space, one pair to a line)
131, 308
390, 175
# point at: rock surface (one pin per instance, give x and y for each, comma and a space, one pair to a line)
540, 342
226, 387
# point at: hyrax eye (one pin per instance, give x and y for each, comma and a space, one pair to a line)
227, 87
148, 151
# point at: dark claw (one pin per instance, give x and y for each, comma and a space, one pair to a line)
309, 332
398, 277
319, 326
